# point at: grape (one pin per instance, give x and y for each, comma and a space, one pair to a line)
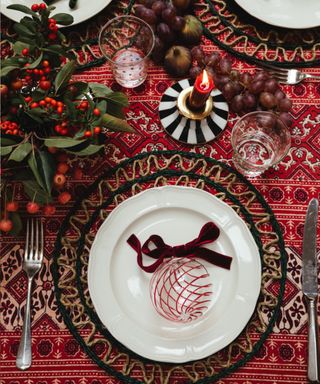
267, 100
148, 16
237, 87
225, 66
149, 3
237, 103
197, 54
246, 79
286, 118
268, 121
195, 71
229, 90
178, 23
165, 33
249, 101
158, 50
279, 95
285, 105
168, 14
213, 59
139, 10
261, 75
271, 85
158, 6
234, 75
256, 87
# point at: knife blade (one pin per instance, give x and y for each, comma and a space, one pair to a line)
310, 287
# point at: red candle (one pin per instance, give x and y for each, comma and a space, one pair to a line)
201, 90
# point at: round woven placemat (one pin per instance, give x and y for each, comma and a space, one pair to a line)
225, 24
245, 37
77, 232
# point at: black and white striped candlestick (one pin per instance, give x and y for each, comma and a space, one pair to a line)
189, 126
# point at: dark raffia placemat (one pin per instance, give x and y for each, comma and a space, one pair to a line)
247, 38
72, 252
225, 24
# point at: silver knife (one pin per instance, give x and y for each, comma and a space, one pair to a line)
310, 287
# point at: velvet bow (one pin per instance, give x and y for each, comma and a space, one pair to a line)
208, 233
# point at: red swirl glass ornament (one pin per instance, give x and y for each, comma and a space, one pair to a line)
181, 289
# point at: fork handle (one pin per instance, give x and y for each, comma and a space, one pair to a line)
313, 341
308, 76
24, 356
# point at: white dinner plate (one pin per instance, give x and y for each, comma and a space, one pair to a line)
119, 289
83, 11
284, 13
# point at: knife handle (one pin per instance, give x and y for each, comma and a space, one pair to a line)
313, 341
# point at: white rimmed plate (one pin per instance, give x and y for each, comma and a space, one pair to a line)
83, 11
119, 289
284, 13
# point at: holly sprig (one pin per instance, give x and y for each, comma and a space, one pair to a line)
45, 112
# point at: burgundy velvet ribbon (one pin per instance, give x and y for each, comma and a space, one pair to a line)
208, 233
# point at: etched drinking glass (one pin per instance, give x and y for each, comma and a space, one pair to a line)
259, 140
127, 42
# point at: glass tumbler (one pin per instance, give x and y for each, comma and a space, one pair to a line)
127, 42
259, 140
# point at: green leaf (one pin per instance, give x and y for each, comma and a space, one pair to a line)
32, 162
27, 40
29, 23
20, 152
18, 46
63, 18
23, 30
56, 49
11, 61
37, 62
64, 75
17, 223
46, 168
9, 139
117, 98
62, 142
38, 95
33, 190
36, 114
7, 142
90, 150
8, 69
115, 124
5, 150
71, 108
115, 110
102, 105
22, 8
99, 90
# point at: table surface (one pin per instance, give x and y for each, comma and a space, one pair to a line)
288, 187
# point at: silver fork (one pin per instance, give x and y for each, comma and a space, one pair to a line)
288, 76
33, 257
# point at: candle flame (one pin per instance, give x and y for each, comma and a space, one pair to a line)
205, 79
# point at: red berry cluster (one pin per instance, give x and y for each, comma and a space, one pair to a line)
83, 106
10, 128
36, 74
32, 207
52, 24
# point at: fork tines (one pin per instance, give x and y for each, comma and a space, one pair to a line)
34, 240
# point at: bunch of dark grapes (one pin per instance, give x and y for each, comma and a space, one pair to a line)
244, 92
165, 21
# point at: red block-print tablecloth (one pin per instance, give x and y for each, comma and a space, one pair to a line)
288, 187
